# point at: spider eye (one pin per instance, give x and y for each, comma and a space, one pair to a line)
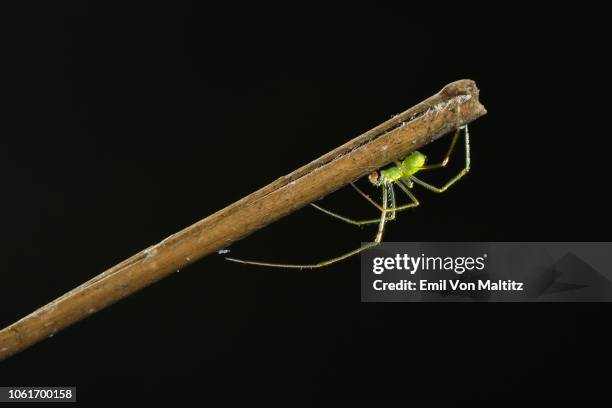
373, 177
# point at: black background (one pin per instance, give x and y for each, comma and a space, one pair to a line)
127, 125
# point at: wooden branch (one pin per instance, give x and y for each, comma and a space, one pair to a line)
455, 105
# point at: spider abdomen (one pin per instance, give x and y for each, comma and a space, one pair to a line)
413, 163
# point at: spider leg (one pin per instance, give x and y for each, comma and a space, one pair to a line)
453, 180
391, 217
403, 184
444, 161
390, 210
367, 197
377, 240
349, 220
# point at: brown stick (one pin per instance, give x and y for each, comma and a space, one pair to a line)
455, 105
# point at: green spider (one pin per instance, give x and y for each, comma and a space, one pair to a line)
402, 175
